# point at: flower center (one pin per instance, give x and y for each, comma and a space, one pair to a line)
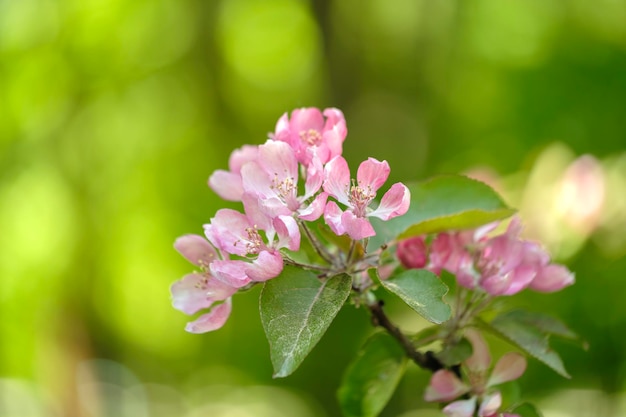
286, 190
311, 137
360, 198
253, 242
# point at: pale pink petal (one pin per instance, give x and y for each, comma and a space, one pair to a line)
226, 184
356, 227
231, 272
481, 358
288, 233
314, 177
239, 157
315, 209
332, 216
278, 160
260, 213
462, 408
197, 291
189, 294
212, 320
337, 182
521, 277
508, 368
305, 119
444, 386
553, 277
226, 231
268, 265
196, 249
412, 252
394, 203
335, 131
372, 173
256, 181
281, 132
490, 404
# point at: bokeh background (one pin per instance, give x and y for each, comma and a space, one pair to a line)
114, 113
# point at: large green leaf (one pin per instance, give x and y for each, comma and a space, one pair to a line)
531, 337
296, 309
443, 203
372, 377
423, 291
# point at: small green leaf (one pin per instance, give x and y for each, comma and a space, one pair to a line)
423, 291
372, 377
527, 336
455, 354
450, 202
527, 410
545, 323
296, 309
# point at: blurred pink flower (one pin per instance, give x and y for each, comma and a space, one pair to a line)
445, 385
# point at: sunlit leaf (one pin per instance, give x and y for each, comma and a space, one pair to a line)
423, 291
372, 377
444, 203
296, 309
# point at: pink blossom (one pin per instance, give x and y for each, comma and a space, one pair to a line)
552, 278
200, 290
309, 134
273, 180
358, 195
237, 234
445, 385
227, 184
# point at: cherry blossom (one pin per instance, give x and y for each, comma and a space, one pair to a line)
227, 184
358, 195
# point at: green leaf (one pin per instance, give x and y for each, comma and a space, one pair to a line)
547, 324
372, 377
443, 203
296, 309
529, 337
455, 354
527, 410
423, 291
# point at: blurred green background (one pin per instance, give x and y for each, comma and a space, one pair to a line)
114, 113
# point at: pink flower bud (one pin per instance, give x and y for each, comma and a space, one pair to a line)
412, 252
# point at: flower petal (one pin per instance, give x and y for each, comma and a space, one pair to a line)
212, 320
189, 294
226, 184
444, 386
394, 203
552, 278
372, 173
268, 265
196, 250
332, 217
481, 358
508, 368
357, 227
490, 404
337, 182
315, 209
231, 272
462, 408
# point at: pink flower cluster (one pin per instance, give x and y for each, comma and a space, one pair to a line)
282, 183
446, 386
503, 264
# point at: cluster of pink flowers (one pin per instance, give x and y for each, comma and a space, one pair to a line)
446, 386
282, 183
503, 264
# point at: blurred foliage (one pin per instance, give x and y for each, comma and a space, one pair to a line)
114, 113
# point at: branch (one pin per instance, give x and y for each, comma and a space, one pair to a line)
426, 361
